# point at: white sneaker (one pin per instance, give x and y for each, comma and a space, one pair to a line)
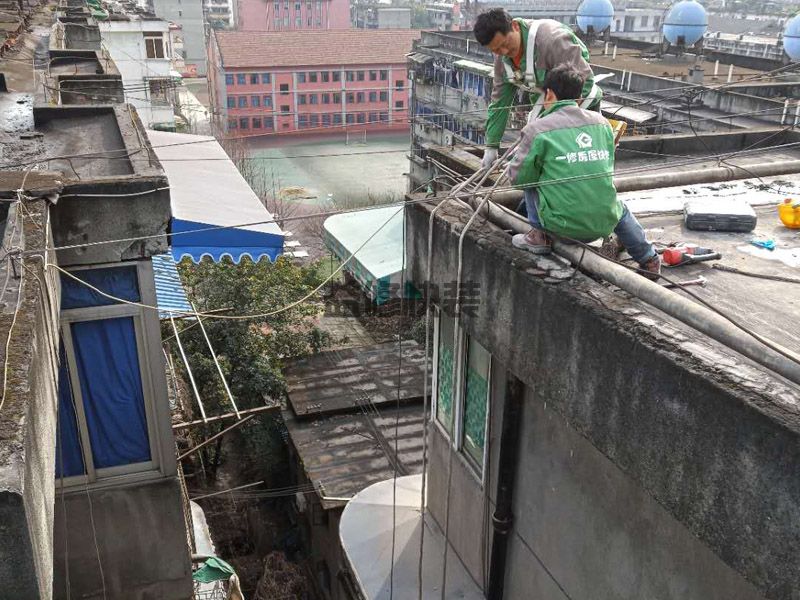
534, 241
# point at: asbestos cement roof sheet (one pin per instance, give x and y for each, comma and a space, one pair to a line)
344, 380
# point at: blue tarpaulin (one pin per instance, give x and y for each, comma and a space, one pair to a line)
111, 385
68, 448
208, 192
120, 282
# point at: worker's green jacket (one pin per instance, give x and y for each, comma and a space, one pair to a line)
546, 44
569, 152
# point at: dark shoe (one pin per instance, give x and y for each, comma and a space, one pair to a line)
534, 241
651, 269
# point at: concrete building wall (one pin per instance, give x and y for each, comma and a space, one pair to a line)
394, 18
283, 15
644, 471
189, 15
28, 423
141, 551
125, 43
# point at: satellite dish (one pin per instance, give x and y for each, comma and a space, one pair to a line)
791, 38
595, 16
685, 24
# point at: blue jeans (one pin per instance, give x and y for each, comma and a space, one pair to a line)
628, 230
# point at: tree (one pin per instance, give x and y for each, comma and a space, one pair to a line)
250, 351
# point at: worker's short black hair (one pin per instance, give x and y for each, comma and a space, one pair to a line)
491, 22
565, 81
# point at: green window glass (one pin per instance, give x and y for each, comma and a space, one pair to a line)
444, 373
476, 397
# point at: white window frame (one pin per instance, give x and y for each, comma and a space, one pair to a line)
148, 347
478, 469
456, 439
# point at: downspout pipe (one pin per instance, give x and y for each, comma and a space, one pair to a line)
785, 363
502, 518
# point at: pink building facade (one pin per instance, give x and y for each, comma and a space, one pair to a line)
291, 15
317, 97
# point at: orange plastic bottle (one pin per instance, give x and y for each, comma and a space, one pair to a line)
789, 212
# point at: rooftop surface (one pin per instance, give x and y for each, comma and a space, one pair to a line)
344, 380
669, 66
345, 406
315, 48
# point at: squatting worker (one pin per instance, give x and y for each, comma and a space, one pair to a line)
525, 50
569, 152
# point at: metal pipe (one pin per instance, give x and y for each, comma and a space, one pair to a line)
216, 360
660, 179
238, 423
233, 489
695, 315
503, 515
247, 411
188, 370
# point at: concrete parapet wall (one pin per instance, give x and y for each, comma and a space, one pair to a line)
653, 464
28, 421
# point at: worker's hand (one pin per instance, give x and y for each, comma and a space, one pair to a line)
489, 157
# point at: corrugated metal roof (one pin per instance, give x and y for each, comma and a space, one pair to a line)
169, 289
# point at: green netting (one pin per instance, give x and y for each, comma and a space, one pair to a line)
444, 391
475, 413
214, 569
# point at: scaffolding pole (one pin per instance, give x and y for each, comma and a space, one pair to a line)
188, 370
216, 361
247, 411
191, 451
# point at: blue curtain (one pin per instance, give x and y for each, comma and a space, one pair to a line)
108, 368
120, 282
69, 460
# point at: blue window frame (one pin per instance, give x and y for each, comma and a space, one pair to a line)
266, 78
242, 101
228, 79
268, 101
244, 123
255, 101
241, 79
231, 102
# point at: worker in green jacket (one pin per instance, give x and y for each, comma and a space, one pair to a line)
525, 50
565, 162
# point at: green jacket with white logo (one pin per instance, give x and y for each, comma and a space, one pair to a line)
569, 152
555, 44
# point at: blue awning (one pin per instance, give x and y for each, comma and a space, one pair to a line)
215, 212
170, 294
